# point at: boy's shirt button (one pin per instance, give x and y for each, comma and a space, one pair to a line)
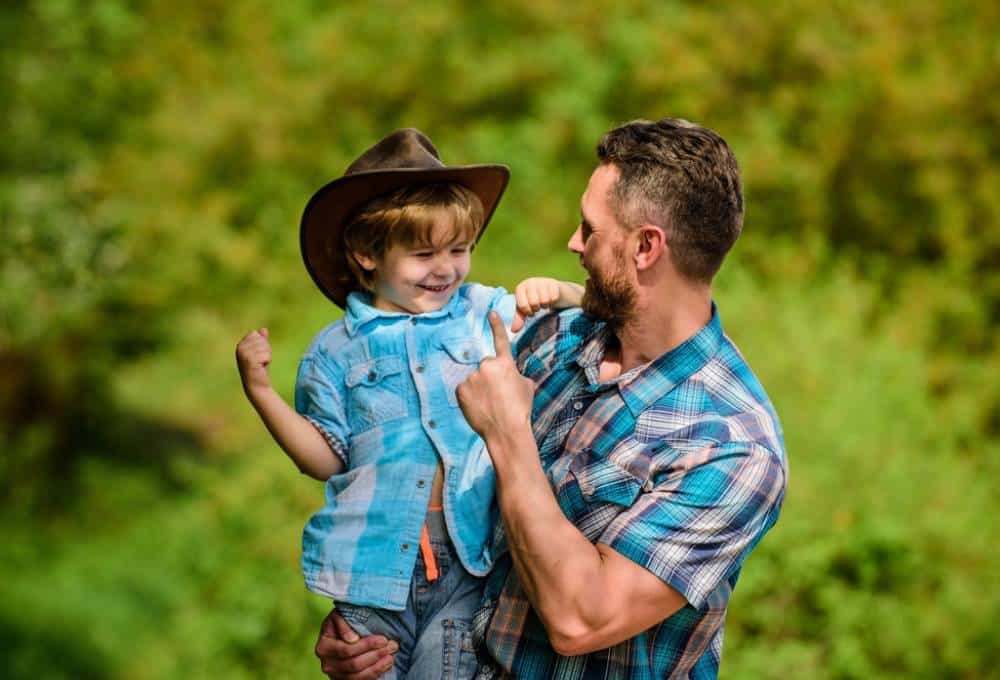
431, 424
420, 369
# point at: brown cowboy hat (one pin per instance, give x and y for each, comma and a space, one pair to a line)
404, 158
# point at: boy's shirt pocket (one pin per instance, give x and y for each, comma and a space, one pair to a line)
376, 392
460, 357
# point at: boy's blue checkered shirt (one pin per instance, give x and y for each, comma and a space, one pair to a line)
678, 465
380, 387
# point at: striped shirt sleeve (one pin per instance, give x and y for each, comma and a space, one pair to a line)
696, 526
319, 398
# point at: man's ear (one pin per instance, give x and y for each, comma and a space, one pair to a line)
651, 245
367, 262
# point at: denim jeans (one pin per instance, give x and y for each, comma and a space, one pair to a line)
434, 631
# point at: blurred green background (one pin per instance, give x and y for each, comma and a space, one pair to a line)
156, 158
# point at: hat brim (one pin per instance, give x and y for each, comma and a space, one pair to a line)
324, 218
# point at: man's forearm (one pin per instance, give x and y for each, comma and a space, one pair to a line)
588, 596
559, 568
296, 436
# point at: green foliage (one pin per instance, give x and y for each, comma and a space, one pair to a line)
157, 161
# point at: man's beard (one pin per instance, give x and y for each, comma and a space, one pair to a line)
610, 297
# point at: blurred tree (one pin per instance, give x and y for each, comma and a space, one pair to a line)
157, 159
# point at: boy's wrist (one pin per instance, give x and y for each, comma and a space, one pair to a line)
257, 393
569, 294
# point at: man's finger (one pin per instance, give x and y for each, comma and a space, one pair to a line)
355, 655
342, 628
374, 669
500, 340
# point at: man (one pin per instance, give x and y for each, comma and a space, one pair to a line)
638, 459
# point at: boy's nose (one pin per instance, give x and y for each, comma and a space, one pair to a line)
442, 266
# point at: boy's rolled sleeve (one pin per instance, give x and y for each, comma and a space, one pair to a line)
694, 529
319, 398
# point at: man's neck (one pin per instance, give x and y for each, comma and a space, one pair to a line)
661, 323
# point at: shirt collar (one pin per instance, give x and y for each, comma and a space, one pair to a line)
359, 311
644, 384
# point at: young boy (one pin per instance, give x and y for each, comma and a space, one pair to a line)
403, 540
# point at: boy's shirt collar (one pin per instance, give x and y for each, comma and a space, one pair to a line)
359, 311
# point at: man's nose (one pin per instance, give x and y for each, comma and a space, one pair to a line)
575, 244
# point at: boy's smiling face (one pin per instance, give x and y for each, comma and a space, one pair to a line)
419, 278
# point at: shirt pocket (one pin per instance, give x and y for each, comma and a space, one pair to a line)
602, 481
376, 392
461, 357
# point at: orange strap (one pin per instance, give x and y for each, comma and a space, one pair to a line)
428, 552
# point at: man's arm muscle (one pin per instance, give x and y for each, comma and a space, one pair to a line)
588, 596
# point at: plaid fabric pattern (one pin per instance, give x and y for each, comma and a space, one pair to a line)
678, 465
380, 386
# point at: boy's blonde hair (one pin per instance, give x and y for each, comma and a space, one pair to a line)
407, 217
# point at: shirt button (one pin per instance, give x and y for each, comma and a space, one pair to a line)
431, 424
577, 405
420, 369
372, 376
421, 483
465, 354
405, 547
413, 320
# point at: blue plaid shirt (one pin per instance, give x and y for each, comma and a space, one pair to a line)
380, 387
678, 465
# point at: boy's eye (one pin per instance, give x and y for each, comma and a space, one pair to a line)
423, 254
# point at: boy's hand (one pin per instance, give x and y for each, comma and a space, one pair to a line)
531, 295
253, 354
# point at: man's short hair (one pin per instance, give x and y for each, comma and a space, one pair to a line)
407, 217
683, 178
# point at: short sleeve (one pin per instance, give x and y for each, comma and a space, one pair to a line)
319, 397
695, 528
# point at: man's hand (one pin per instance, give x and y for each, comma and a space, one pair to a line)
253, 354
496, 398
345, 656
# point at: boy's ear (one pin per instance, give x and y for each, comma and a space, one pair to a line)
366, 262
